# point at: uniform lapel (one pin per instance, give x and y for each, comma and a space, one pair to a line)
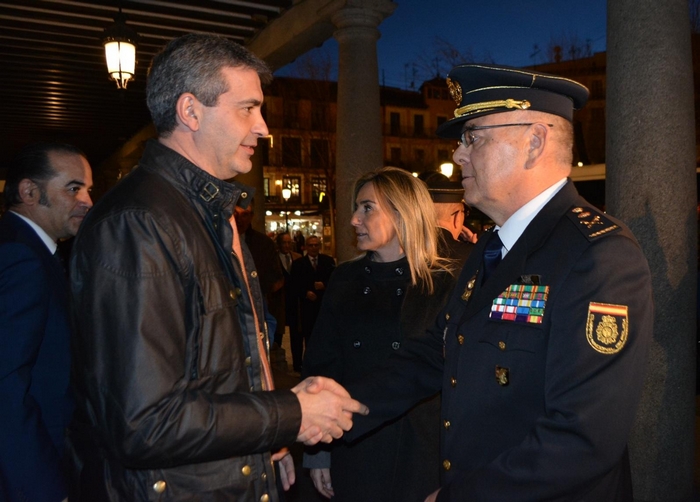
514, 264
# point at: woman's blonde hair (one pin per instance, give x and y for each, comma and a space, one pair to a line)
415, 221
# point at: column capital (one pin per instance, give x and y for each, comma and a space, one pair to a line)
362, 13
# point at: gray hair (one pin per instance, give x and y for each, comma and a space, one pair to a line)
193, 63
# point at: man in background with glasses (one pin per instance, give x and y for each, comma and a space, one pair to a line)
540, 352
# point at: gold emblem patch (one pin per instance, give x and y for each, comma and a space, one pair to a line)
455, 90
607, 327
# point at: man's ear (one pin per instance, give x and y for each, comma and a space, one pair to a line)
539, 135
187, 111
29, 192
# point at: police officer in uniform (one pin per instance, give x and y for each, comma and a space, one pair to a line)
541, 349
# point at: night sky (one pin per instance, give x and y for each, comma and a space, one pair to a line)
500, 31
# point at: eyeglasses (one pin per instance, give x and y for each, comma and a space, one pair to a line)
467, 138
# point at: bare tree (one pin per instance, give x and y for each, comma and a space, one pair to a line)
443, 56
567, 46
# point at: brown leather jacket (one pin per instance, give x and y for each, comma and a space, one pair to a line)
167, 369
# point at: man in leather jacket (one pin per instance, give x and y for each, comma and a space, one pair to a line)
174, 393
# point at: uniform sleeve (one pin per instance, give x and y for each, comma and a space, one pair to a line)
27, 452
593, 383
137, 362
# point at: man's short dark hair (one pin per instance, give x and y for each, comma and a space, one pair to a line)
279, 236
32, 162
193, 63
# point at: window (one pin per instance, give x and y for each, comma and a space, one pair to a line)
264, 149
294, 184
443, 156
396, 156
266, 186
395, 119
420, 155
291, 114
441, 120
598, 117
318, 186
319, 117
418, 129
597, 90
291, 151
319, 153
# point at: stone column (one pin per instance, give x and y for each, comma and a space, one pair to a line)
651, 185
359, 131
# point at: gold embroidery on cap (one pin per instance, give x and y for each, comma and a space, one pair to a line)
491, 105
455, 90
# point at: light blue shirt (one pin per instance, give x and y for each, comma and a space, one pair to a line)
514, 226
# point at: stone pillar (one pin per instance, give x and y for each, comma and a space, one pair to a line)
359, 131
651, 185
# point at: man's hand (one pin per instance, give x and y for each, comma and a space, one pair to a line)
322, 482
311, 296
326, 410
319, 286
433, 496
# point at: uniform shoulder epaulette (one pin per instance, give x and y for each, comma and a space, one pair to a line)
592, 222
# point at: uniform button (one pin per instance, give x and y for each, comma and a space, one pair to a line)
447, 424
159, 486
399, 292
252, 389
446, 464
265, 498
447, 317
244, 195
399, 271
396, 345
238, 291
460, 339
247, 361
254, 274
263, 476
245, 470
367, 290
232, 294
357, 344
453, 382
502, 345
368, 270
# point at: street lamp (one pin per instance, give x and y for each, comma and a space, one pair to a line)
286, 194
447, 168
120, 41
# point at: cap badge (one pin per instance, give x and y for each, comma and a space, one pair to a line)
455, 90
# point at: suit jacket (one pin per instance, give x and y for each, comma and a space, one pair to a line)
303, 277
34, 365
539, 400
456, 250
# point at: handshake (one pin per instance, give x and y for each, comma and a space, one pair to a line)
326, 410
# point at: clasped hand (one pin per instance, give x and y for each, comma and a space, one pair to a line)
326, 410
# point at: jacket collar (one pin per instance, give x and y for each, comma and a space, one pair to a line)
194, 182
534, 236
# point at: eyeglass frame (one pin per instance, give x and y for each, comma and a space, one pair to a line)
463, 137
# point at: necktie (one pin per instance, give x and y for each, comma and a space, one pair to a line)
289, 262
492, 254
313, 262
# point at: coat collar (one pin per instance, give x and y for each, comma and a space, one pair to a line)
195, 183
534, 237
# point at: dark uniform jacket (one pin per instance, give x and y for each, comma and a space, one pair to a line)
35, 400
369, 309
543, 364
167, 366
456, 250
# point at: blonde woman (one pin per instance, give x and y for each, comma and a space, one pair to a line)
391, 292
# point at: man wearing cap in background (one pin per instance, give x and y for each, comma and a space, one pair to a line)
540, 357
450, 211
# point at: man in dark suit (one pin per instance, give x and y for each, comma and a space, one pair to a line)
541, 349
286, 299
47, 196
310, 276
